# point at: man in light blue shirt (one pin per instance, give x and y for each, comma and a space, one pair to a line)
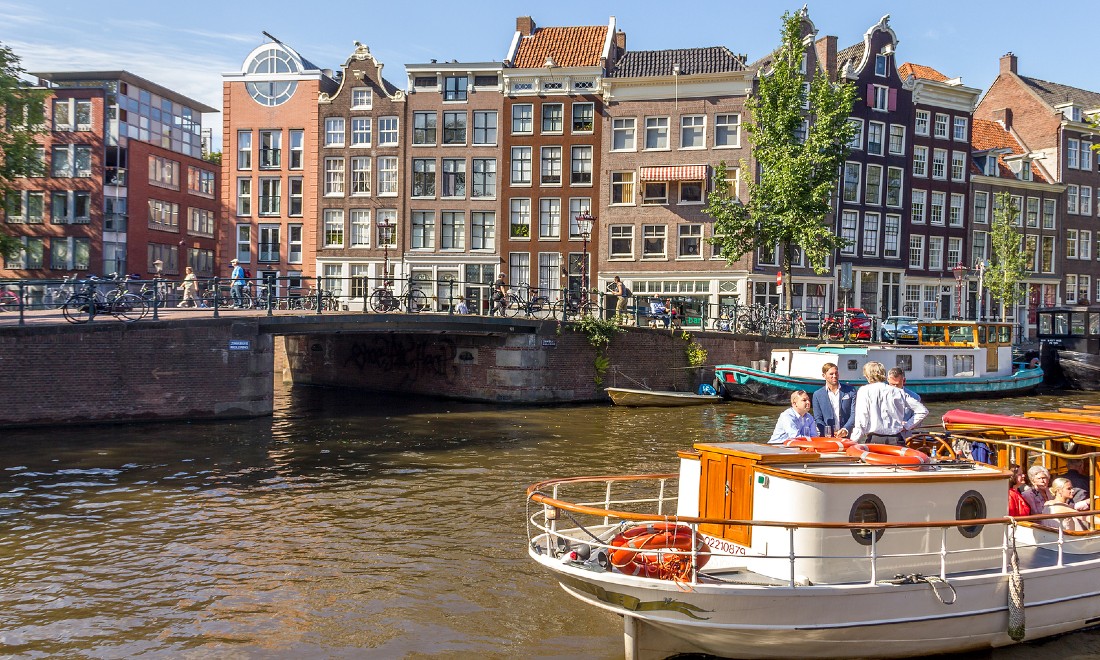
795, 421
236, 284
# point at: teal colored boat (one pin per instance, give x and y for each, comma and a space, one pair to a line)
952, 359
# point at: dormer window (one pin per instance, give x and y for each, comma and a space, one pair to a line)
990, 168
1025, 170
1070, 111
882, 65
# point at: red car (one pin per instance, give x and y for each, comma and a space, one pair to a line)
859, 324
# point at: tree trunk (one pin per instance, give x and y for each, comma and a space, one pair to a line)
785, 268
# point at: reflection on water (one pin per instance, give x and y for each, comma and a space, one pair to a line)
347, 525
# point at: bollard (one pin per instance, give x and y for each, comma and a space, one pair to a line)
156, 297
217, 296
451, 300
320, 296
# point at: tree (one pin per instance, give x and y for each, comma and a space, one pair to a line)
1009, 265
22, 115
798, 166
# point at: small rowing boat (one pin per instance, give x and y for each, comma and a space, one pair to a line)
622, 396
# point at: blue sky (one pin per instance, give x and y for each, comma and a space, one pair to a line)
187, 46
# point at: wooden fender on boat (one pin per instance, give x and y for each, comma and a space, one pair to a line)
820, 444
658, 550
888, 455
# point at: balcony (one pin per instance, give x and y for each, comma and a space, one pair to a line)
271, 159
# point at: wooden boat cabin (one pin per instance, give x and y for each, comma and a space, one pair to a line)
1074, 328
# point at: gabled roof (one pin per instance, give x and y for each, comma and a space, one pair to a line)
566, 46
1056, 93
853, 54
920, 71
644, 63
986, 135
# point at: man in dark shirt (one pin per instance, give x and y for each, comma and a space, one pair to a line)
500, 292
1075, 472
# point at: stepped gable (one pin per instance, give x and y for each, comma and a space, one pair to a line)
920, 71
986, 135
646, 63
566, 46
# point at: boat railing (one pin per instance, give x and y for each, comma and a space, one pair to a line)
615, 513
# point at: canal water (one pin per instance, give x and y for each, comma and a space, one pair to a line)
348, 525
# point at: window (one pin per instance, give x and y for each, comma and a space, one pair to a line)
522, 118
163, 216
295, 196
244, 150
622, 187
654, 192
387, 227
454, 177
294, 244
691, 192
656, 132
454, 128
361, 98
1071, 244
1072, 152
891, 236
959, 129
423, 230
622, 134
519, 267
244, 244
1032, 212
940, 128
939, 164
954, 251
549, 217
483, 227
297, 149
980, 248
856, 142
387, 131
387, 175
485, 178
1049, 209
916, 252
849, 220
334, 228
893, 186
935, 253
920, 122
452, 233
958, 166
72, 115
622, 241
870, 234
521, 165
76, 161
334, 177
1086, 200
200, 182
881, 99
936, 209
653, 241
1086, 244
244, 196
360, 131
882, 68
552, 120
727, 130
485, 127
1071, 198
897, 139
583, 116
163, 172
520, 218
875, 131
1018, 204
873, 190
454, 88
580, 165
693, 132
919, 199
334, 131
981, 207
361, 175
270, 196
955, 215
852, 173
424, 125
920, 161
423, 184
691, 240
1086, 156
550, 172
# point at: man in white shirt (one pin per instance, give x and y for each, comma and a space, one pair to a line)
795, 421
881, 409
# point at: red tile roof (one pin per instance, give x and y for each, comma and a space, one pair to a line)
920, 71
986, 135
568, 46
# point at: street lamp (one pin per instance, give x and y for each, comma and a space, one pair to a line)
584, 225
961, 272
384, 227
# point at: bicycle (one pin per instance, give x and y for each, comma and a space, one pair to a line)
85, 305
224, 297
328, 300
383, 300
532, 306
8, 300
56, 296
575, 305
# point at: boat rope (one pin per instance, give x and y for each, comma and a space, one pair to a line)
931, 580
610, 534
1016, 629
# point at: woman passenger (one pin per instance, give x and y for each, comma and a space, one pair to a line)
1062, 503
1017, 505
1039, 493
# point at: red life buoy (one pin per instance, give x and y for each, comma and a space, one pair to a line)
658, 550
820, 444
888, 455
1034, 364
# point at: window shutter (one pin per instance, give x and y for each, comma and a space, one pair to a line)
893, 100
870, 95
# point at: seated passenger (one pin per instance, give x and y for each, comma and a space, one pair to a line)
1075, 473
1017, 505
1039, 491
795, 421
1063, 494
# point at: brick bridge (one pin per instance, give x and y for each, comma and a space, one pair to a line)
188, 367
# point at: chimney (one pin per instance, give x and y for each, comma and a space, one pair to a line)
825, 48
620, 41
1008, 63
1004, 115
525, 25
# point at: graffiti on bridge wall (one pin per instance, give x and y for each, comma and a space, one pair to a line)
410, 358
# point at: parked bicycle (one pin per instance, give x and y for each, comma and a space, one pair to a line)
83, 306
328, 300
223, 297
576, 304
8, 300
56, 296
383, 299
527, 300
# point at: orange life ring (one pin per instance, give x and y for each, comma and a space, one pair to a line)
658, 550
888, 455
820, 444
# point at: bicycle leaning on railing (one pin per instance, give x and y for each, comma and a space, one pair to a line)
383, 300
56, 296
527, 300
84, 305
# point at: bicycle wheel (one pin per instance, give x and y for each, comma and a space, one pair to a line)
246, 300
589, 309
129, 307
382, 301
418, 301
541, 308
558, 310
78, 309
56, 298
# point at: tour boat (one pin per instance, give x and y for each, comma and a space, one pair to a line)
821, 549
1069, 340
622, 396
967, 359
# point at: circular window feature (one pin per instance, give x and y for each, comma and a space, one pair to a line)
867, 509
971, 506
272, 61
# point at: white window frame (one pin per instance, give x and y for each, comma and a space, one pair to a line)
693, 128
626, 128
656, 132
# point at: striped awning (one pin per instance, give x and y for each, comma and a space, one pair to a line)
675, 173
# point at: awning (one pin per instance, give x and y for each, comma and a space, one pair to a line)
675, 173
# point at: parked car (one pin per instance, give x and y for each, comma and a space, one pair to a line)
900, 329
850, 323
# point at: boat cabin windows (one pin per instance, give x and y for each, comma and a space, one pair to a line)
961, 333
931, 334
1077, 323
962, 365
853, 366
971, 506
965, 334
935, 366
904, 362
867, 509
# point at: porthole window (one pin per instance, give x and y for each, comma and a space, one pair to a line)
971, 507
852, 365
867, 509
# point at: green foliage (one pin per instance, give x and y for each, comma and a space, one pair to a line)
22, 118
789, 201
599, 332
521, 231
696, 354
1009, 266
214, 157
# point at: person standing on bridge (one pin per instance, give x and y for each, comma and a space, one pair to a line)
188, 287
236, 284
500, 295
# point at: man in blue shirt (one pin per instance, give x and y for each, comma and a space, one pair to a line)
236, 284
795, 421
